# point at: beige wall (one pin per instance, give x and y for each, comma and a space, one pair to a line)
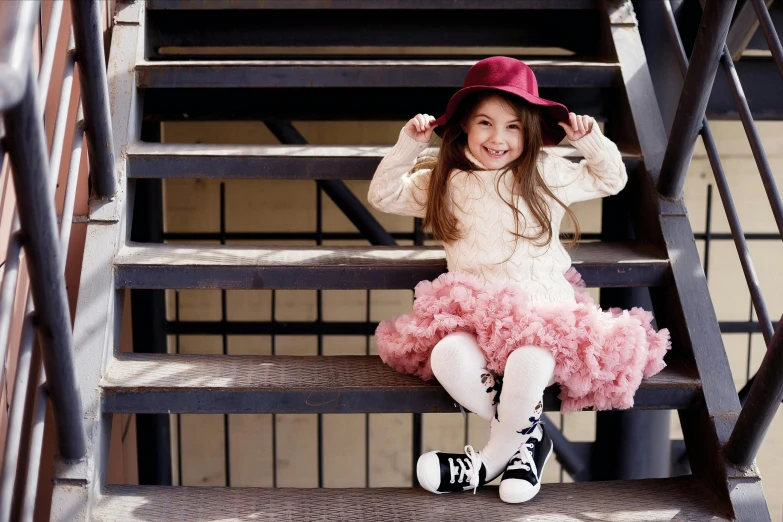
257, 205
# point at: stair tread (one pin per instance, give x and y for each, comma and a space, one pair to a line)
200, 383
682, 498
147, 265
355, 73
181, 160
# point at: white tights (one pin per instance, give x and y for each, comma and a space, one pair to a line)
460, 367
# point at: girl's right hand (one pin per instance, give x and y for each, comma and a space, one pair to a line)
420, 127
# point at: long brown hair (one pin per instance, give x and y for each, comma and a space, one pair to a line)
528, 182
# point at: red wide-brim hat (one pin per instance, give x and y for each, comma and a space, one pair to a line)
500, 73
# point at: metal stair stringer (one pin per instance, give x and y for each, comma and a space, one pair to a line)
685, 307
99, 309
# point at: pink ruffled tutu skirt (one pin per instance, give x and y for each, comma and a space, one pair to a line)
600, 356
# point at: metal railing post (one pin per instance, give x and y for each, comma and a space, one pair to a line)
95, 94
713, 28
768, 27
763, 402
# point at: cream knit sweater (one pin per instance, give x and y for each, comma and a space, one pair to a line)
488, 249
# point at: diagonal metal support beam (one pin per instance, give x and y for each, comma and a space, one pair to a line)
763, 402
713, 28
345, 200
742, 30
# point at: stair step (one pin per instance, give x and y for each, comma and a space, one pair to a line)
355, 73
682, 498
221, 5
179, 266
175, 160
176, 383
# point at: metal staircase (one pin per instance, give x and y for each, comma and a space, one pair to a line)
646, 241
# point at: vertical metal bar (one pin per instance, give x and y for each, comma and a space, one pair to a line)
768, 27
47, 59
95, 93
27, 149
61, 121
562, 428
224, 320
760, 408
708, 232
274, 416
148, 311
38, 424
754, 139
16, 415
368, 317
71, 184
750, 347
179, 415
319, 232
24, 449
723, 189
418, 427
8, 289
713, 28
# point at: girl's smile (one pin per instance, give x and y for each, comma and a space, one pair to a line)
494, 133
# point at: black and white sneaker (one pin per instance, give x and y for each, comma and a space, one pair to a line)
449, 472
522, 479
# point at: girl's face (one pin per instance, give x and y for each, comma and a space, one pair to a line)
494, 133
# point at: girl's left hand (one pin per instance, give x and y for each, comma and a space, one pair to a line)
579, 126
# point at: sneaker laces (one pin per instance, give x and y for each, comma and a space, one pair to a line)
522, 458
475, 461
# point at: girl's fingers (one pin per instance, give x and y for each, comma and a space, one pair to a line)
572, 121
567, 128
582, 125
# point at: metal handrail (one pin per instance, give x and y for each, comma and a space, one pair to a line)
723, 189
766, 390
768, 28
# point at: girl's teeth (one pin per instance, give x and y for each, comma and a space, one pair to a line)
495, 153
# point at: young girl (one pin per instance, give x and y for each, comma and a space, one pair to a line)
510, 304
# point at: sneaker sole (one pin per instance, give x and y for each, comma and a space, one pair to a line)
530, 493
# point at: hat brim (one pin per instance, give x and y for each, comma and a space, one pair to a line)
554, 112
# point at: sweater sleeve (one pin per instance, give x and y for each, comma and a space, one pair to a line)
396, 188
602, 172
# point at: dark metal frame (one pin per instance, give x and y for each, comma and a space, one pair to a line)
681, 308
